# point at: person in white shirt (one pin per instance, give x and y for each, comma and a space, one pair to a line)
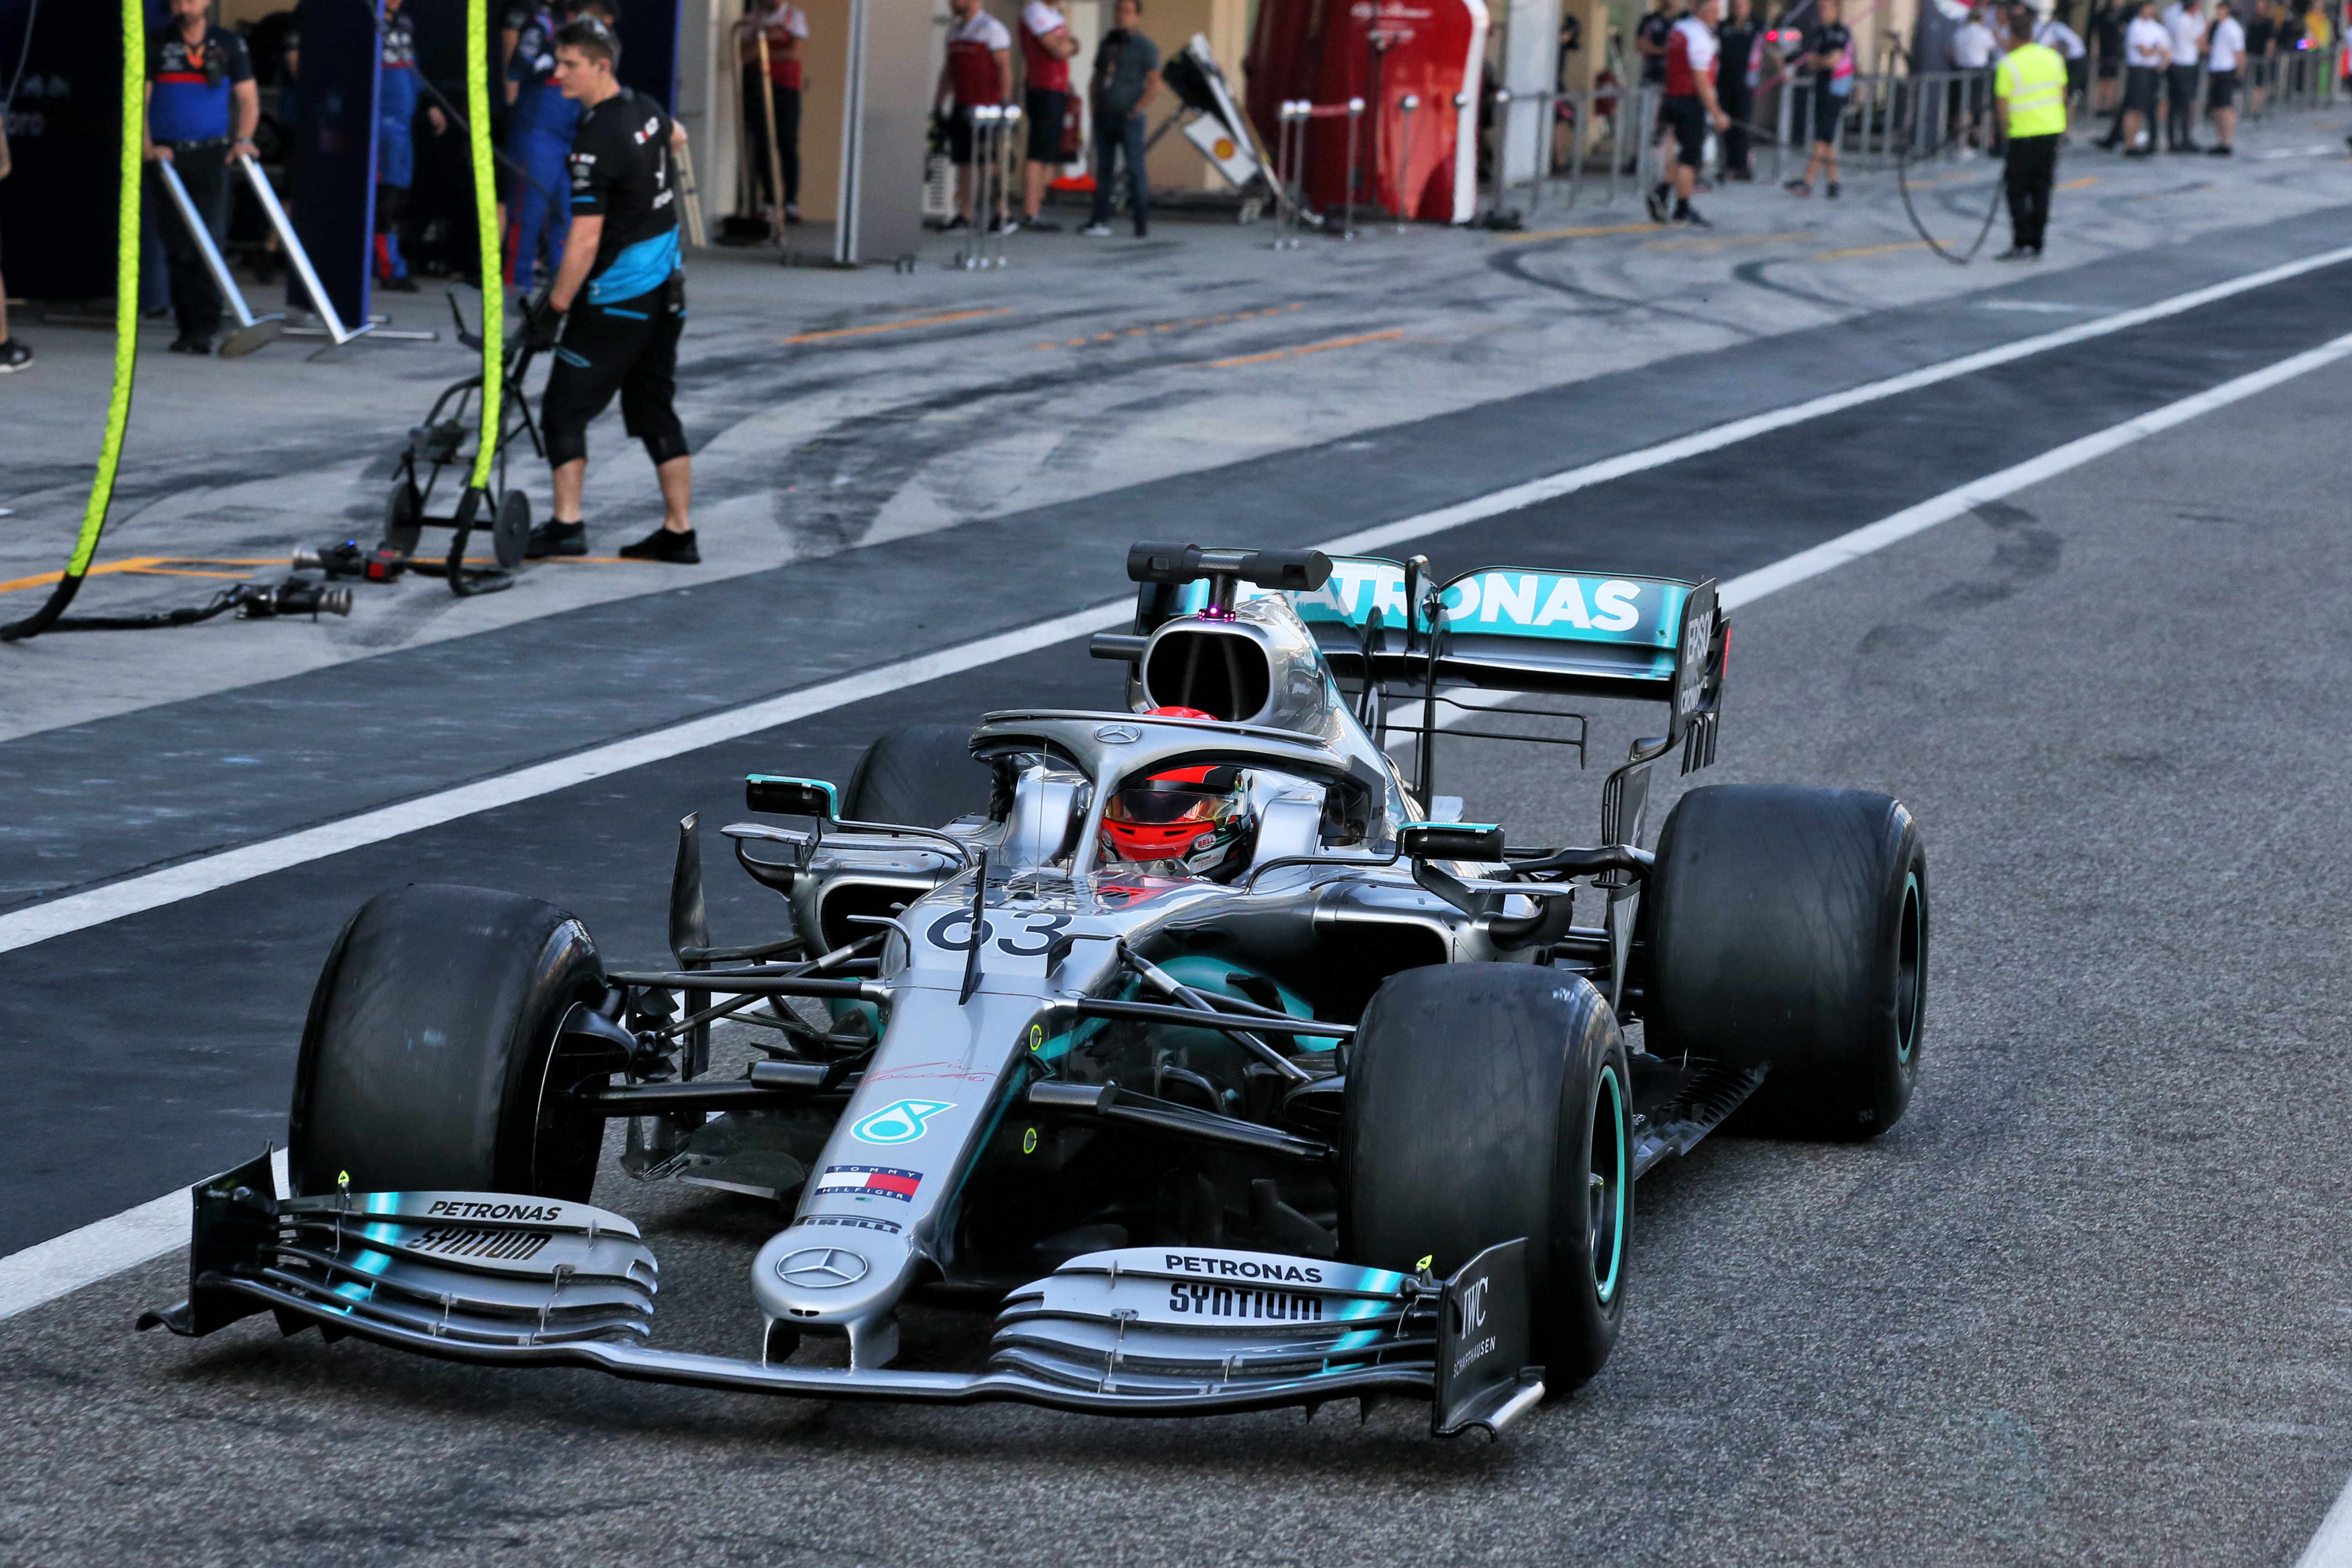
2226, 43
1973, 48
2184, 30
2053, 34
2147, 51
977, 74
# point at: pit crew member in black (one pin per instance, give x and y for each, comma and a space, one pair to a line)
613, 313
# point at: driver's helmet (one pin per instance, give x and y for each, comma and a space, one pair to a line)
1187, 822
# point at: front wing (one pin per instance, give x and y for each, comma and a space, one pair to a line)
497, 1279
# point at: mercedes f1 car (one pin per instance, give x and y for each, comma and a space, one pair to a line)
1197, 1029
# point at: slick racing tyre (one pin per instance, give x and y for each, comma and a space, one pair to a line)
430, 1059
1487, 1102
918, 775
1787, 928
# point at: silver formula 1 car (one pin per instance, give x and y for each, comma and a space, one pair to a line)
1196, 1029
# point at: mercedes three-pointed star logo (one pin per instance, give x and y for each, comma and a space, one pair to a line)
821, 1268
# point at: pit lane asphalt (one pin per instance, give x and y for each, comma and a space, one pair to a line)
2083, 1304
199, 1003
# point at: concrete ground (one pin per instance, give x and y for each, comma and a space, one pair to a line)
2085, 1303
832, 409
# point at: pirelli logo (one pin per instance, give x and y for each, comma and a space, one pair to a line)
495, 1246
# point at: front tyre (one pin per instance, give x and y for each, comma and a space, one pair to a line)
1788, 928
918, 775
431, 1061
1487, 1102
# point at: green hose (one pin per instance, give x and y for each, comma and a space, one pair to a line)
486, 220
126, 331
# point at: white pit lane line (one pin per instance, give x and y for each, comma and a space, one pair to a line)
58, 1267
153, 889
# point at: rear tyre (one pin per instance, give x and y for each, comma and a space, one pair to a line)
430, 1059
918, 775
1485, 1103
1787, 927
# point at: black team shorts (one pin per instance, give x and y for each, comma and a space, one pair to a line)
624, 346
1828, 114
2220, 88
1044, 109
1686, 117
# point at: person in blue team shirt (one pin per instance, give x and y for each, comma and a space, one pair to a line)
201, 108
539, 122
613, 316
396, 96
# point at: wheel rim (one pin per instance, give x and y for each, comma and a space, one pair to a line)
1911, 943
1605, 1189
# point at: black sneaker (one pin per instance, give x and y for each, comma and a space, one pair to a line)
404, 284
1689, 215
554, 538
1831, 191
661, 544
1655, 198
1797, 187
1041, 225
14, 356
2221, 152
955, 225
191, 345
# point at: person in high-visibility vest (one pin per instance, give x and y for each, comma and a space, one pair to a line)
2031, 87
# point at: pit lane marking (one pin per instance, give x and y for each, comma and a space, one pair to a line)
208, 873
830, 333
1390, 335
1185, 326
1589, 232
151, 566
1853, 250
63, 1264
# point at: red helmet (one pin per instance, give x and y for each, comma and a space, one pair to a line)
1194, 821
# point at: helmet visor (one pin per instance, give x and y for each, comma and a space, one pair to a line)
1163, 807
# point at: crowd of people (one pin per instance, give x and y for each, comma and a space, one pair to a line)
977, 75
2154, 68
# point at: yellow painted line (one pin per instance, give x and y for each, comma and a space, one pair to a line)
1307, 348
1870, 250
1716, 241
834, 332
155, 565
2086, 181
1578, 233
1173, 326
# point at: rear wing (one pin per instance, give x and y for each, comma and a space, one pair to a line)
1514, 630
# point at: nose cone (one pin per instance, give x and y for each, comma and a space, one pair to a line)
815, 1273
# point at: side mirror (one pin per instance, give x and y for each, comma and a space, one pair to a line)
1449, 841
792, 797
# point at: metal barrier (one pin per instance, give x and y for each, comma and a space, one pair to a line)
984, 237
1293, 214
